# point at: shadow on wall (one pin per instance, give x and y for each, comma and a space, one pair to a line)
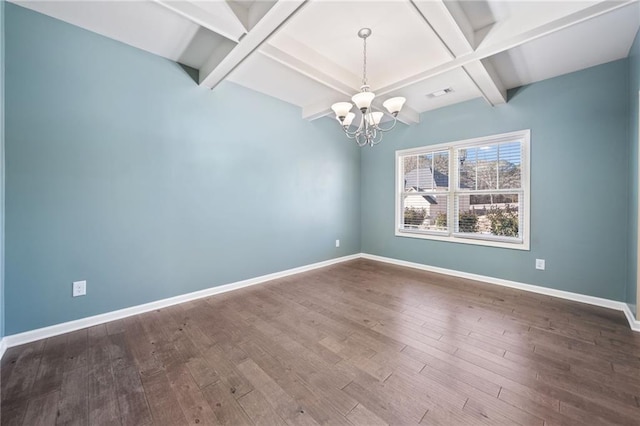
514, 93
193, 73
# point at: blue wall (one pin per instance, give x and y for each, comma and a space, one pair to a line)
579, 125
123, 172
1, 168
634, 87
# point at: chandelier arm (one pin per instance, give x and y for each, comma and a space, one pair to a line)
350, 135
365, 125
363, 132
355, 132
395, 121
376, 138
376, 142
360, 140
371, 137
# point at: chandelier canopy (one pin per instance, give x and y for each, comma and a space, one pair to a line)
369, 131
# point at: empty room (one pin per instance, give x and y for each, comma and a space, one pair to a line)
290, 212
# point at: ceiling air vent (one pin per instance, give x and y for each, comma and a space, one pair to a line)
440, 92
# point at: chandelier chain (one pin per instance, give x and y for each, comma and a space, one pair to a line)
364, 66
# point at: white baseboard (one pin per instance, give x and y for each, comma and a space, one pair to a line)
591, 300
3, 346
66, 327
633, 322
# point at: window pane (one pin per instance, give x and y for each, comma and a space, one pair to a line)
426, 172
467, 168
489, 214
487, 167
496, 166
410, 163
510, 170
478, 167
426, 212
441, 171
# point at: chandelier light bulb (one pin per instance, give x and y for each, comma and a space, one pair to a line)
363, 100
348, 119
341, 109
394, 105
373, 118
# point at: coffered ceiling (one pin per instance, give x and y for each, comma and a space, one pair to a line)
307, 52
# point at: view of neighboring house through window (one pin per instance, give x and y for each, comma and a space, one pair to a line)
474, 191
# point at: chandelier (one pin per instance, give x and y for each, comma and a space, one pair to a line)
369, 131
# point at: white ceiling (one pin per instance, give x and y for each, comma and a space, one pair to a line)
307, 52
577, 47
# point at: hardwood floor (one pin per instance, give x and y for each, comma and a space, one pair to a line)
360, 343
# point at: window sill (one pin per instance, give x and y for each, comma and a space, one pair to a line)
465, 240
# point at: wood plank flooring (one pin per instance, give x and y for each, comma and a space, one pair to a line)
360, 343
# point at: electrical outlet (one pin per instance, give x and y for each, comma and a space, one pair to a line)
540, 264
79, 288
337, 243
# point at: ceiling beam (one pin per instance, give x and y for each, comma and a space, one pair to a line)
456, 34
515, 41
407, 115
216, 69
317, 110
219, 17
453, 30
487, 81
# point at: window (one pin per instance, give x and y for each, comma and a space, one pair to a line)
474, 191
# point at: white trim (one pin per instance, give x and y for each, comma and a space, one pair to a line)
637, 316
476, 241
66, 327
3, 347
467, 143
633, 323
591, 300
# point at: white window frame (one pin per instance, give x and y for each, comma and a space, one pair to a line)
451, 235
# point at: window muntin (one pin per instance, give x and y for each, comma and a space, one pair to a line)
481, 184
